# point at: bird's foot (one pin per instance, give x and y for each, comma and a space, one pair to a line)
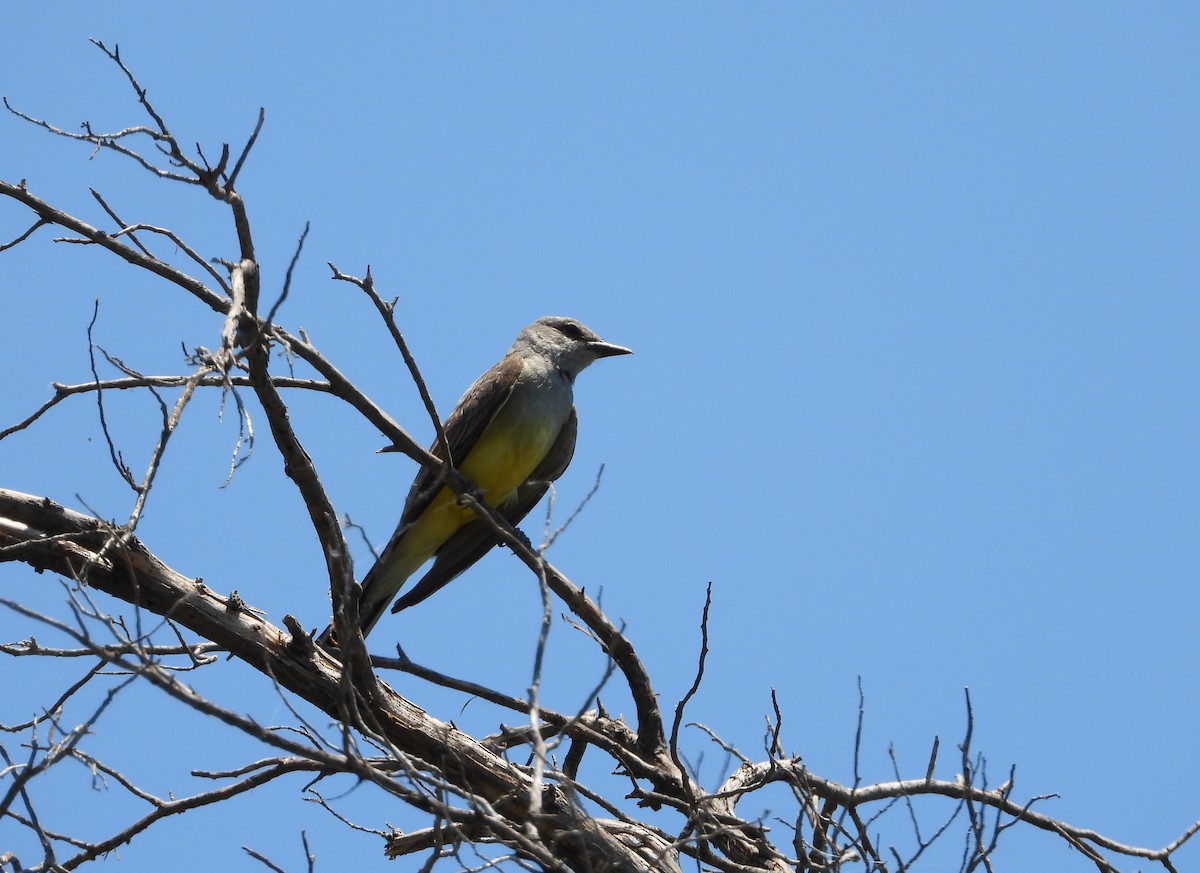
525, 541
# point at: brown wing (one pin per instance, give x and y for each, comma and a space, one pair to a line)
469, 419
474, 540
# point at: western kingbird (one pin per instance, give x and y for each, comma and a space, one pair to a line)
512, 434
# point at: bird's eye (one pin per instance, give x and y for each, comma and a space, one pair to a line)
571, 329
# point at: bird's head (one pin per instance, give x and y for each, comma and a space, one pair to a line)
565, 342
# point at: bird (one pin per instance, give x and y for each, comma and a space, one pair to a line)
512, 433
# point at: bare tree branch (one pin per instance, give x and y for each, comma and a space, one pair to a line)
540, 815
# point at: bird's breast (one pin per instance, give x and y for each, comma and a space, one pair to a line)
518, 438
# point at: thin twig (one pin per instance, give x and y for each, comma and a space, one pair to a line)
673, 743
117, 461
237, 167
387, 312
287, 282
41, 222
549, 538
120, 224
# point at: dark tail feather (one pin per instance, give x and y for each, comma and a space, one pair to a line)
466, 546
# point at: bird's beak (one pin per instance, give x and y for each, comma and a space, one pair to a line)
602, 349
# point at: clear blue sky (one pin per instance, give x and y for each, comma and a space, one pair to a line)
913, 295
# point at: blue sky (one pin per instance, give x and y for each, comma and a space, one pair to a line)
913, 295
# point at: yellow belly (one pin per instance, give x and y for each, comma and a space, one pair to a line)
502, 459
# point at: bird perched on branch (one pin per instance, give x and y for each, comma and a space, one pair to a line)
512, 434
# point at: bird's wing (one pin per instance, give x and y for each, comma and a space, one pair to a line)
466, 423
473, 540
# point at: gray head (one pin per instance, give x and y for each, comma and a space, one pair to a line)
565, 342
